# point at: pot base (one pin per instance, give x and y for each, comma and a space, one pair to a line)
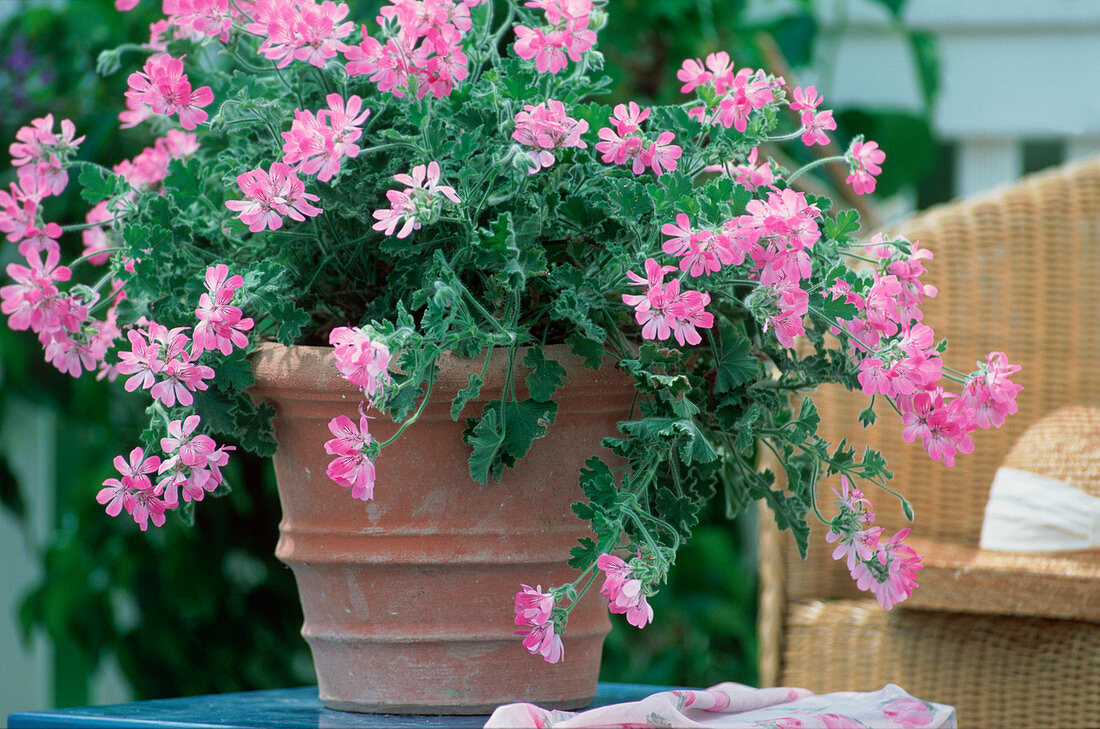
448, 709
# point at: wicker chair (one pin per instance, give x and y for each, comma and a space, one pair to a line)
1010, 640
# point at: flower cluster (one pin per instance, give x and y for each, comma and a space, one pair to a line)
158, 360
361, 360
545, 128
663, 310
626, 144
749, 175
423, 49
221, 326
352, 468
419, 203
564, 36
191, 468
624, 593
864, 159
887, 568
149, 167
317, 142
271, 194
814, 123
899, 357
300, 30
163, 88
534, 614
45, 152
730, 97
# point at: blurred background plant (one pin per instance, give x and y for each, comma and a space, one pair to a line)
179, 613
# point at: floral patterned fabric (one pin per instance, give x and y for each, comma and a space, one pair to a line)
735, 706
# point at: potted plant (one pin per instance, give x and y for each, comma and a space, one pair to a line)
430, 220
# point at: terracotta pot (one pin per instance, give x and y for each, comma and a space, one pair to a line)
408, 598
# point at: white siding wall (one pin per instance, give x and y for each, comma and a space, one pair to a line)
1012, 70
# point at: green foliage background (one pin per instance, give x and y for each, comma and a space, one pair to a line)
208, 609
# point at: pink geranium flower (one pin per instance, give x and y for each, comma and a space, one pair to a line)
221, 325
351, 468
533, 609
420, 201
864, 159
623, 592
164, 87
546, 128
270, 195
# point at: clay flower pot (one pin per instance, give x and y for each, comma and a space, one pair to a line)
408, 598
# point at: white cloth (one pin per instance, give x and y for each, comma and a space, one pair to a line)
1032, 513
735, 706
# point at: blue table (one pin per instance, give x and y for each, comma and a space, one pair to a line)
291, 708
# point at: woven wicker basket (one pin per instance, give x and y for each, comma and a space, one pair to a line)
1018, 270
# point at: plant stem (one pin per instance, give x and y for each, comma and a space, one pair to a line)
816, 163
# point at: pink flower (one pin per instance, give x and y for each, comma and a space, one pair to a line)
702, 252
202, 18
565, 37
317, 143
361, 361
34, 301
661, 156
221, 325
625, 143
142, 362
989, 392
192, 450
805, 100
419, 202
134, 492
42, 239
624, 593
164, 87
864, 160
532, 606
269, 195
351, 468
717, 73
816, 125
545, 128
890, 574
533, 610
44, 153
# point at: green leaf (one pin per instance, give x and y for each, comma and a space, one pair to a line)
234, 371
472, 390
591, 350
486, 441
184, 182
745, 432
526, 421
842, 227
736, 364
582, 555
806, 423
98, 184
546, 375
682, 512
598, 482
874, 464
838, 309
